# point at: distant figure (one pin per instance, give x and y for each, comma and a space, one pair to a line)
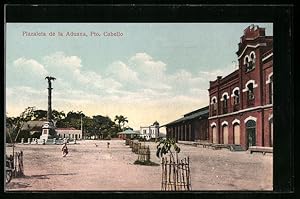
64, 150
108, 144
96, 145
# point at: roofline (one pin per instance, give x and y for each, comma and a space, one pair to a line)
178, 120
206, 107
268, 56
251, 46
148, 126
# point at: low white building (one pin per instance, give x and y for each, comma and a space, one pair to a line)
150, 132
70, 133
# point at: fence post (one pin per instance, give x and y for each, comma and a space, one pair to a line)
176, 174
148, 154
18, 164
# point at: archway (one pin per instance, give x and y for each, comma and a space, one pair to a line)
251, 133
214, 133
225, 134
236, 133
271, 132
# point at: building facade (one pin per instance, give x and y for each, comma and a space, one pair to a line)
241, 104
192, 126
70, 133
150, 132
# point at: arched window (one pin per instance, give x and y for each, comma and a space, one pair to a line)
214, 105
251, 133
252, 58
250, 94
225, 104
271, 89
236, 97
249, 62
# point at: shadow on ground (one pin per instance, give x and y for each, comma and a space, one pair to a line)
22, 185
45, 176
17, 185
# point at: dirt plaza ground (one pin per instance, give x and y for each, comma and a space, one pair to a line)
91, 166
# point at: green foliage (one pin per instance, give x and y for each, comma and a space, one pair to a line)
73, 119
15, 124
39, 115
165, 146
101, 126
58, 115
121, 120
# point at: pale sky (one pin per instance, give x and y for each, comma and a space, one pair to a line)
154, 72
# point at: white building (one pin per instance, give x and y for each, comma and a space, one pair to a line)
150, 132
70, 133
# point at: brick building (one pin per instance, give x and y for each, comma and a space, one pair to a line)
192, 126
241, 104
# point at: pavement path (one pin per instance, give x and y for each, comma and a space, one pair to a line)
88, 167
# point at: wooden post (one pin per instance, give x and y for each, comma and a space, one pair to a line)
162, 173
188, 172
148, 154
170, 168
174, 175
182, 174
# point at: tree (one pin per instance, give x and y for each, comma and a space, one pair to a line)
73, 119
15, 124
58, 115
103, 126
88, 126
121, 120
165, 146
39, 115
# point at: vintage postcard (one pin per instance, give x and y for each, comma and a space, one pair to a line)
139, 107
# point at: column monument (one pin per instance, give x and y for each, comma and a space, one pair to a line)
48, 126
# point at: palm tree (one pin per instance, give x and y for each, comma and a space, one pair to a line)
121, 121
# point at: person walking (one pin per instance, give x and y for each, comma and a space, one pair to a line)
64, 150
